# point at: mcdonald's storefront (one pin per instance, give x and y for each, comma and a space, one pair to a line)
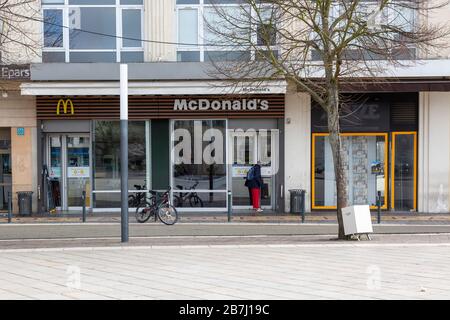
80, 149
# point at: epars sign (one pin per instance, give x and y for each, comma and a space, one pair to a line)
220, 105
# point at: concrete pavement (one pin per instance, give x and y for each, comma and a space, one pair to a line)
112, 230
241, 216
259, 271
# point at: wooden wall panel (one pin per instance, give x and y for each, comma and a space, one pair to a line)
150, 107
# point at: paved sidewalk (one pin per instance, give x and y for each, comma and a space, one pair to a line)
242, 216
112, 230
270, 271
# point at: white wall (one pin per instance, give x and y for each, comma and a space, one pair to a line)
24, 35
297, 145
159, 24
434, 152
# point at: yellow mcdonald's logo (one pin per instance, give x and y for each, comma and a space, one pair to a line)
65, 103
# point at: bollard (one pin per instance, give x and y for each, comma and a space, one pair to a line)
83, 197
379, 207
157, 198
303, 206
9, 207
229, 205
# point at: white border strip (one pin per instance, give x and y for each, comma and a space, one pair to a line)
231, 246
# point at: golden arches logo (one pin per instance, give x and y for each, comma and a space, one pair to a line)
65, 103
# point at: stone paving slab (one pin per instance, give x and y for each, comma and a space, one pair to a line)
290, 271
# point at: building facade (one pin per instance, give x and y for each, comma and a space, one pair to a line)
397, 136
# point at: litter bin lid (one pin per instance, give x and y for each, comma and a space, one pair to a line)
296, 190
24, 192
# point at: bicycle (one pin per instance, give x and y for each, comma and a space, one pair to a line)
194, 199
162, 209
136, 198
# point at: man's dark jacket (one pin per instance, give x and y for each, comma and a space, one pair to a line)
257, 180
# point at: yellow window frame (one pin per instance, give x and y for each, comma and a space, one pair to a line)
359, 134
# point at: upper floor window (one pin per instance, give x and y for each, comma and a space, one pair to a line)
397, 18
93, 31
207, 30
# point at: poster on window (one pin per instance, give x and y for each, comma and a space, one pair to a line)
78, 172
241, 171
55, 172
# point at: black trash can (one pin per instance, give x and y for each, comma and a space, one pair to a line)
25, 202
297, 201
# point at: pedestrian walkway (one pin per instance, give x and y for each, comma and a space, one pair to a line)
269, 271
113, 230
214, 217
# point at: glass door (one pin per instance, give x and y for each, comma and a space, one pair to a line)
247, 148
55, 169
78, 173
243, 154
69, 170
5, 167
404, 171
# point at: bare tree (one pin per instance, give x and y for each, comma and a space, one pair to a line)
320, 45
20, 31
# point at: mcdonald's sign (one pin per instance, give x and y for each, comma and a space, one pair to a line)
65, 103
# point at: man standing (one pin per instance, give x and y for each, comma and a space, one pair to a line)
254, 182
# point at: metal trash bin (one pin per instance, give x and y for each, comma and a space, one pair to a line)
25, 202
297, 201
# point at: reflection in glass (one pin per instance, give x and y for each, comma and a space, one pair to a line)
92, 56
365, 166
5, 167
188, 26
249, 147
207, 200
53, 30
131, 27
404, 172
199, 157
78, 171
107, 157
107, 200
102, 21
55, 169
199, 148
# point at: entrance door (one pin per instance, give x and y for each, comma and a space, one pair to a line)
247, 148
5, 167
69, 169
404, 171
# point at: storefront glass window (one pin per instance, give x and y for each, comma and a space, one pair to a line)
365, 165
198, 162
106, 149
403, 173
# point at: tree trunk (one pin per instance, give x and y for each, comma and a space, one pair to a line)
339, 158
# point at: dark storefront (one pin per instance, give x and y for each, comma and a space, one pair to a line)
379, 136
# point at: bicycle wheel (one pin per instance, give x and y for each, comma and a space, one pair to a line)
168, 214
131, 200
144, 211
177, 201
196, 202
